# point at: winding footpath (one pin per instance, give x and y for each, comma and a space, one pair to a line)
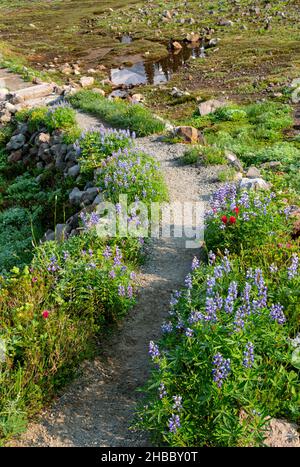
97, 409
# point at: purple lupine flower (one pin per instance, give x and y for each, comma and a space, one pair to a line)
218, 272
293, 268
239, 321
210, 283
188, 281
112, 274
221, 370
53, 265
246, 298
118, 257
118, 208
210, 309
273, 268
229, 304
180, 324
195, 263
121, 291
244, 200
174, 423
226, 265
233, 289
189, 332
94, 219
66, 255
276, 313
162, 391
177, 403
219, 302
211, 258
167, 327
195, 317
249, 273
248, 355
129, 291
153, 350
246, 216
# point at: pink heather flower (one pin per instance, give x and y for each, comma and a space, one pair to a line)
45, 314
34, 279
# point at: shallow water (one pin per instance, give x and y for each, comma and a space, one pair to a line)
156, 72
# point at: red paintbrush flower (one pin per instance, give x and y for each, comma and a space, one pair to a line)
232, 220
224, 219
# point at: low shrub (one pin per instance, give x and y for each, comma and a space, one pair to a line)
60, 116
206, 155
235, 218
94, 146
132, 173
117, 113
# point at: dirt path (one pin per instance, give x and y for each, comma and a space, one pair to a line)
97, 409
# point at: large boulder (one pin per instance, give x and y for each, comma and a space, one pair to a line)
74, 171
62, 231
75, 196
253, 172
210, 106
254, 184
233, 160
32, 92
86, 81
282, 434
189, 134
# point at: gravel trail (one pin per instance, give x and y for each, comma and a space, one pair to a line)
97, 408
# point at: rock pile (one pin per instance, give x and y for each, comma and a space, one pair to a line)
50, 152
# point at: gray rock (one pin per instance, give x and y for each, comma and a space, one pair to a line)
75, 196
16, 142
56, 150
5, 117
89, 195
99, 199
225, 22
22, 128
210, 106
213, 42
86, 81
254, 184
15, 156
62, 231
253, 172
71, 156
74, 171
11, 108
234, 161
49, 236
